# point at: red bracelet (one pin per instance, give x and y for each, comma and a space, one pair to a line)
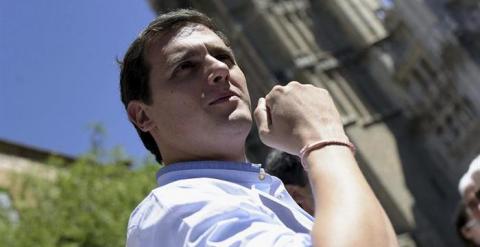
321, 144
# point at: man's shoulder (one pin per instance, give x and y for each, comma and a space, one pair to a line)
188, 192
193, 189
170, 204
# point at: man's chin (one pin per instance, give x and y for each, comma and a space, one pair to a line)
236, 125
241, 119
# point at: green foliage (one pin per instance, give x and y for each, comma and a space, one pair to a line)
87, 204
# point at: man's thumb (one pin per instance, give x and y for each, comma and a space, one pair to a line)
261, 118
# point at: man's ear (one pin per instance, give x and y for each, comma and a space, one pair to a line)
137, 113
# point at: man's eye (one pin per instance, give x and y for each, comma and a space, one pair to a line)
226, 58
184, 68
186, 65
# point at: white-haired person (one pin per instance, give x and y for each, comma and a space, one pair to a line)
469, 188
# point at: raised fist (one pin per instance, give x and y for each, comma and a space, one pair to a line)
291, 116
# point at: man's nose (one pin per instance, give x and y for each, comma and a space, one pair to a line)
218, 71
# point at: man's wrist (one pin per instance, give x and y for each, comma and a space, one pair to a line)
324, 144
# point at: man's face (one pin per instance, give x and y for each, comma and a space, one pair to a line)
201, 105
472, 202
471, 230
302, 196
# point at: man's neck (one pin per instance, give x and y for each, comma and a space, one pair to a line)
238, 157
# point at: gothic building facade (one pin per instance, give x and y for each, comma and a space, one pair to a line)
403, 74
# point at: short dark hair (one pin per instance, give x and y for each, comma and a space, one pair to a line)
287, 167
134, 69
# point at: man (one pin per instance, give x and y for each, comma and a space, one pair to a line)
469, 188
289, 169
467, 227
188, 99
468, 214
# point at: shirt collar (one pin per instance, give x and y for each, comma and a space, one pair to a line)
245, 173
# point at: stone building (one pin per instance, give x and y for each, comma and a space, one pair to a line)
437, 69
403, 74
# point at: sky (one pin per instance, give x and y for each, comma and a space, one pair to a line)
58, 72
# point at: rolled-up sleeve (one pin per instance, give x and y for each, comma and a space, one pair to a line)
208, 216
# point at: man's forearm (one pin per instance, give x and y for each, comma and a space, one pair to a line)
294, 117
347, 211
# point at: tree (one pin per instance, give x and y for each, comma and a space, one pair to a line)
87, 204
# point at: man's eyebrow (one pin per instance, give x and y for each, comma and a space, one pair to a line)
179, 56
184, 54
220, 49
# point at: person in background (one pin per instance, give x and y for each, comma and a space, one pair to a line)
289, 169
467, 226
469, 188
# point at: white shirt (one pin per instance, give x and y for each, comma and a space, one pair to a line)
214, 203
